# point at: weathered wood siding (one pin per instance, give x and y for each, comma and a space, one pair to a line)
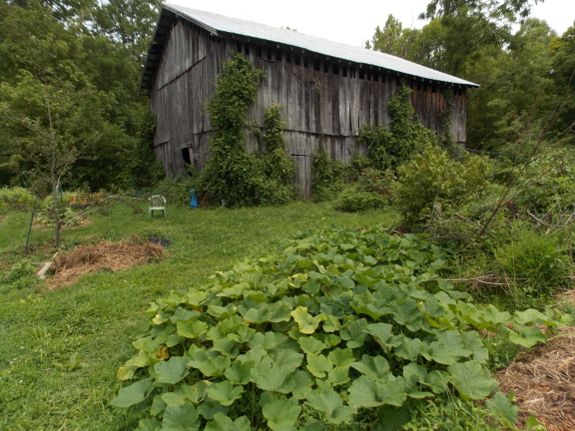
325, 101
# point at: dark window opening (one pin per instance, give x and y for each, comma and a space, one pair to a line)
344, 71
269, 52
288, 57
305, 64
278, 55
316, 65
368, 75
418, 86
297, 60
336, 69
186, 156
434, 88
239, 46
375, 76
259, 52
246, 49
361, 74
326, 67
383, 78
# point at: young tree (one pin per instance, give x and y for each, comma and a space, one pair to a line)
48, 126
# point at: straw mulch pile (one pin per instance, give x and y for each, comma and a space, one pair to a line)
103, 256
543, 380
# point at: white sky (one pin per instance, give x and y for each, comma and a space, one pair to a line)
350, 22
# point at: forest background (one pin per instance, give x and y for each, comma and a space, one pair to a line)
70, 68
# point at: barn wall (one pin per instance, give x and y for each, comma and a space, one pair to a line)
324, 103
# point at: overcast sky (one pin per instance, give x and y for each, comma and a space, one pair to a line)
349, 21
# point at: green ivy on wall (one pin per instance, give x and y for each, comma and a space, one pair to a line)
389, 149
234, 177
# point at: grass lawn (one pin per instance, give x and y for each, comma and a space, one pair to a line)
61, 349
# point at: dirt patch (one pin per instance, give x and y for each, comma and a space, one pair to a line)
543, 380
103, 256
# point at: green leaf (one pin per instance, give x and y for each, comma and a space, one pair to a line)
532, 424
287, 358
148, 424
355, 333
255, 354
527, 337
331, 404
158, 406
183, 314
173, 399
281, 414
365, 392
171, 371
181, 418
452, 339
496, 317
318, 365
381, 332
437, 380
276, 312
223, 423
240, 372
215, 366
341, 357
393, 418
405, 312
242, 335
339, 375
225, 393
195, 393
195, 298
303, 383
191, 329
226, 347
209, 408
469, 378
311, 345
133, 394
272, 377
501, 409
331, 324
307, 324
409, 349
373, 367
438, 352
472, 341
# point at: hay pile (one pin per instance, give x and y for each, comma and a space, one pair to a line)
543, 380
103, 256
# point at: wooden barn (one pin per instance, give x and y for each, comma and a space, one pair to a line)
328, 90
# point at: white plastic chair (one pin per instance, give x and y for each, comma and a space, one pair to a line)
156, 203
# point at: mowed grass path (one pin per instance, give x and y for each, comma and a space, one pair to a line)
60, 350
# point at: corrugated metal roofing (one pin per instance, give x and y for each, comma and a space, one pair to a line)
218, 23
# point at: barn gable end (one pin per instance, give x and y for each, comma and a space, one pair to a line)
326, 98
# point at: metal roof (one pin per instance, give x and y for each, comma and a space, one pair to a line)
217, 24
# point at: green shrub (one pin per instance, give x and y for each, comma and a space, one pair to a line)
16, 198
353, 200
432, 182
536, 261
327, 331
371, 191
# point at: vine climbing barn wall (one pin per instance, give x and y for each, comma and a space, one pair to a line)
325, 100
